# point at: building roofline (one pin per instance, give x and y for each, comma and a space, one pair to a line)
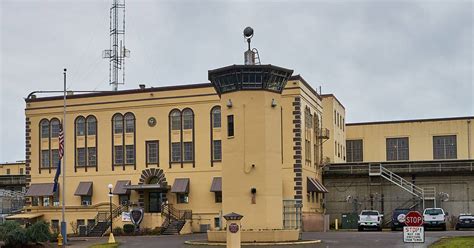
332, 95
413, 120
301, 79
121, 92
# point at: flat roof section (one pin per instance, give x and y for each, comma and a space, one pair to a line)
413, 120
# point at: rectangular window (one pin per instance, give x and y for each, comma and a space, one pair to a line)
44, 130
188, 151
354, 149
91, 156
130, 154
46, 202
335, 117
8, 171
21, 171
35, 201
217, 150
335, 148
397, 149
45, 159
55, 226
80, 128
129, 125
176, 152
91, 222
230, 126
118, 155
124, 199
55, 130
81, 222
118, 126
152, 152
55, 158
81, 156
91, 128
175, 122
445, 147
218, 196
86, 200
217, 223
188, 121
182, 198
216, 119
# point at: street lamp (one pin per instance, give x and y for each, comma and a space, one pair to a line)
111, 237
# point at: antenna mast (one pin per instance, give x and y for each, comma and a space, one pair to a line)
117, 52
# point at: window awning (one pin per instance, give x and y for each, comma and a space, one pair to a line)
314, 185
180, 185
216, 185
120, 189
84, 189
40, 189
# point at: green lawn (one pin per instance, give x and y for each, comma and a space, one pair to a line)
454, 242
105, 245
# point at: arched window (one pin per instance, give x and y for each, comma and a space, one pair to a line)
54, 128
216, 117
153, 180
91, 125
80, 126
118, 124
188, 119
44, 125
129, 123
175, 119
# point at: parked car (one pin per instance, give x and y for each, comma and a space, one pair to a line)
434, 218
398, 218
465, 221
369, 219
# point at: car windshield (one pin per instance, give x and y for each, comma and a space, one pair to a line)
433, 211
466, 217
369, 213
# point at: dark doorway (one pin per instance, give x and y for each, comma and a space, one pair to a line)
155, 200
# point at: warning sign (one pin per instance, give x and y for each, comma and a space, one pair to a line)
413, 234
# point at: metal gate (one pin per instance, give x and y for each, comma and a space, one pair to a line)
292, 214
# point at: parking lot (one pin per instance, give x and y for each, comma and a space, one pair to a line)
338, 239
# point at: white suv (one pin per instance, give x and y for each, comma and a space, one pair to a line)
434, 217
370, 219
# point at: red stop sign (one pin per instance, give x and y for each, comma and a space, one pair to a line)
414, 218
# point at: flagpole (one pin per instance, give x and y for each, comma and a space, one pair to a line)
63, 221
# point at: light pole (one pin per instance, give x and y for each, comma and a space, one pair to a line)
111, 237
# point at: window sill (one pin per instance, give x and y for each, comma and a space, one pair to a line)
230, 137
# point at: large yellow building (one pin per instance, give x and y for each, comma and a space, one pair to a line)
250, 145
411, 140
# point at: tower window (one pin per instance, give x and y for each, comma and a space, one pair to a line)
230, 125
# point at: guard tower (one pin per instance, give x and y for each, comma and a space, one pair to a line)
252, 180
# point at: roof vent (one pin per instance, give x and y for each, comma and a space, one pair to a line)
142, 86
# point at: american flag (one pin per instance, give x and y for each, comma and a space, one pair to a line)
61, 153
61, 141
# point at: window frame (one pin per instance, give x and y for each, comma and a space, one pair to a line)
175, 120
190, 152
132, 152
147, 152
176, 147
79, 162
129, 123
214, 149
182, 198
216, 112
45, 163
394, 151
55, 128
80, 125
352, 150
91, 121
187, 116
448, 151
44, 123
118, 124
120, 153
88, 157
230, 126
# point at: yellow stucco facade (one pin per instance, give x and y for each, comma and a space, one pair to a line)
334, 119
427, 139
13, 168
274, 148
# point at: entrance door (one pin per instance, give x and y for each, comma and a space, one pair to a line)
154, 200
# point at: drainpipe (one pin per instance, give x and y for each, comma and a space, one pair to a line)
469, 139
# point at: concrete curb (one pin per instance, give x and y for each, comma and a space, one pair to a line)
205, 243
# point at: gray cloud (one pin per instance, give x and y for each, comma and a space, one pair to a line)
384, 60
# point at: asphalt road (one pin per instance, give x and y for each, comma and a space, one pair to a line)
339, 239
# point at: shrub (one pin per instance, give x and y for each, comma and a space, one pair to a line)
54, 237
16, 238
7, 227
38, 232
118, 231
156, 231
128, 228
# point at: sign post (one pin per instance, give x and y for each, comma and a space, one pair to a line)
414, 231
233, 239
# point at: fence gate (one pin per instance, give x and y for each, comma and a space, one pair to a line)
292, 215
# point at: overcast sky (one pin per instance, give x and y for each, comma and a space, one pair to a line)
383, 60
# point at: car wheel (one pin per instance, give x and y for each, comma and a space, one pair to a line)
393, 228
360, 229
457, 228
444, 227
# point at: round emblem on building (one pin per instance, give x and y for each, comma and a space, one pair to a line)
233, 228
151, 121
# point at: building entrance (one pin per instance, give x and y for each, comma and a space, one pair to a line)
155, 200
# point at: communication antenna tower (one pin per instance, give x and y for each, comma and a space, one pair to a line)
117, 52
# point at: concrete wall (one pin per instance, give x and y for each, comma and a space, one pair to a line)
343, 191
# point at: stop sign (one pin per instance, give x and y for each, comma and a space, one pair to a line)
414, 218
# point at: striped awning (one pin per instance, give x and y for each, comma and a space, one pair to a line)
216, 185
40, 189
180, 185
120, 189
84, 189
314, 185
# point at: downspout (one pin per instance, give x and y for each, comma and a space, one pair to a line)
468, 139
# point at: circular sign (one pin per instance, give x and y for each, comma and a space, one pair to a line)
401, 218
233, 228
414, 218
151, 121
